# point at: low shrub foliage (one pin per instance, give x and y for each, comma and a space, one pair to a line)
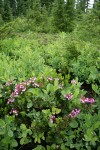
50, 112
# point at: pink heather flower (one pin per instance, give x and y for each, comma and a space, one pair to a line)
52, 118
32, 80
13, 111
68, 96
10, 101
74, 113
49, 79
87, 100
12, 94
19, 89
8, 83
73, 81
35, 85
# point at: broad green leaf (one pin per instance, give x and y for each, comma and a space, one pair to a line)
14, 143
22, 141
23, 126
50, 88
95, 88
73, 124
63, 147
2, 123
39, 147
2, 127
24, 134
10, 133
96, 125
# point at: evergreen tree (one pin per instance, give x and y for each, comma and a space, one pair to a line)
45, 19
58, 20
1, 20
35, 12
96, 9
82, 6
13, 5
70, 15
1, 8
7, 13
47, 3
23, 6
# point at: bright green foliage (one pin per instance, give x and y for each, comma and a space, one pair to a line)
87, 65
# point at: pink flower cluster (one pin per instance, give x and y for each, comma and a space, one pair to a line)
21, 88
68, 96
10, 101
74, 113
73, 81
13, 111
52, 118
8, 83
35, 85
87, 100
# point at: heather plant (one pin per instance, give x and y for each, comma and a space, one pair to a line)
48, 112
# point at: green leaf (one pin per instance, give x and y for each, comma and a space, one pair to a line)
97, 124
50, 88
2, 123
95, 88
87, 138
76, 92
14, 143
2, 127
30, 104
73, 124
39, 147
56, 86
22, 141
23, 126
63, 147
24, 134
10, 133
89, 132
31, 90
55, 110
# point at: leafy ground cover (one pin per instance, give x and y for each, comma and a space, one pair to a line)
49, 91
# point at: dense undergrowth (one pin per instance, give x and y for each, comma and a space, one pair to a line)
43, 103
